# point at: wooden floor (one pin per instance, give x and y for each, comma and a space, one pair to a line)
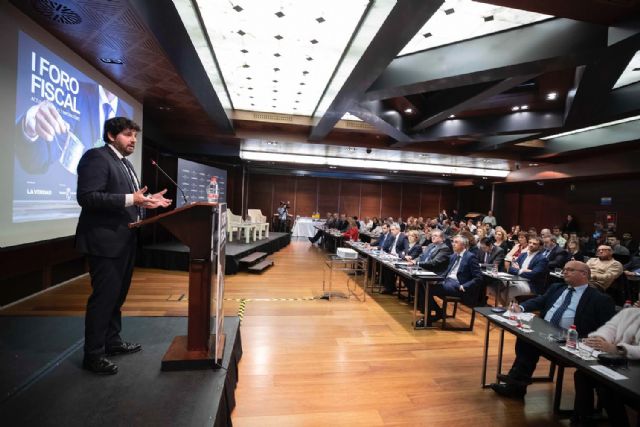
312, 362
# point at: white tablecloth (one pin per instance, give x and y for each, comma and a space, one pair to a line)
305, 227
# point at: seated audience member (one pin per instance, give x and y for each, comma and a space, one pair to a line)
545, 232
573, 251
576, 304
488, 230
481, 233
629, 243
343, 224
561, 241
352, 230
620, 253
374, 223
442, 216
604, 269
490, 254
382, 239
555, 255
471, 226
434, 258
415, 250
462, 279
329, 223
501, 239
632, 268
397, 244
518, 248
531, 265
619, 335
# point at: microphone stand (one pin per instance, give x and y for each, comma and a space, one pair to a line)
153, 162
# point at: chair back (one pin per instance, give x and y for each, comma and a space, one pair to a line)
255, 215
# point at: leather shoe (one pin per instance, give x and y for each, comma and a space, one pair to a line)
506, 378
420, 323
123, 348
509, 390
100, 365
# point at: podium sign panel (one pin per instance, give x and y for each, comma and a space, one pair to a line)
202, 228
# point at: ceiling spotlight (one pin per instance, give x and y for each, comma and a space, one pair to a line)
351, 148
484, 177
332, 167
453, 116
408, 110
524, 107
515, 108
534, 164
394, 171
552, 96
272, 142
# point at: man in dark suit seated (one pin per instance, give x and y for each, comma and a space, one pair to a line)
490, 254
111, 197
531, 265
555, 255
435, 258
462, 278
396, 244
576, 304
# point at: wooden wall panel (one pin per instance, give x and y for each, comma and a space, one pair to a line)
430, 200
350, 197
328, 195
260, 194
370, 199
306, 197
391, 199
410, 200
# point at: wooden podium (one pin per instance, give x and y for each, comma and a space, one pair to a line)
202, 227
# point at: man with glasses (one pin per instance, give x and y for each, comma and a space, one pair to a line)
531, 265
576, 304
604, 269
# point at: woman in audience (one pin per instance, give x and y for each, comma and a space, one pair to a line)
415, 250
352, 230
501, 239
573, 248
517, 250
375, 223
620, 335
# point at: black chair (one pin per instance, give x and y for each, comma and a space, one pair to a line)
481, 301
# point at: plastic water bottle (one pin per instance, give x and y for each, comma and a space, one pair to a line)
627, 304
572, 338
212, 190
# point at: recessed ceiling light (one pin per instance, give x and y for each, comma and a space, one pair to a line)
279, 14
534, 164
488, 18
276, 69
278, 37
449, 11
524, 107
272, 142
332, 167
484, 177
453, 116
394, 171
314, 41
242, 33
515, 108
244, 51
426, 35
320, 20
408, 110
245, 66
552, 96
309, 58
275, 81
237, 8
277, 55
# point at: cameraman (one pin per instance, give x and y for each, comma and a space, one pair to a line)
283, 214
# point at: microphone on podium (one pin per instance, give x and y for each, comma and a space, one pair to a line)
153, 162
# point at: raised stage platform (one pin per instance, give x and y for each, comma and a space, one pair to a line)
175, 255
42, 382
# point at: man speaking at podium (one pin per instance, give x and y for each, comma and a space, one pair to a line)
111, 197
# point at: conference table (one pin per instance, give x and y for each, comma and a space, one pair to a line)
420, 277
625, 382
505, 280
306, 226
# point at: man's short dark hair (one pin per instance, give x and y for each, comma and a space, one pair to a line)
486, 241
116, 125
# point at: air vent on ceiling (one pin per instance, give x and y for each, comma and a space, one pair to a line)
57, 12
358, 125
273, 117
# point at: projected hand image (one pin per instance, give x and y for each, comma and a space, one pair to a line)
43, 120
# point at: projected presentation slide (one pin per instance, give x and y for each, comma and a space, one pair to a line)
201, 183
59, 115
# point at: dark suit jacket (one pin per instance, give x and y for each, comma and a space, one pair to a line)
538, 275
401, 246
102, 185
557, 257
496, 255
380, 242
469, 276
438, 260
593, 311
414, 252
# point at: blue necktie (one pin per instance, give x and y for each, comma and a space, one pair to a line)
555, 319
427, 255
